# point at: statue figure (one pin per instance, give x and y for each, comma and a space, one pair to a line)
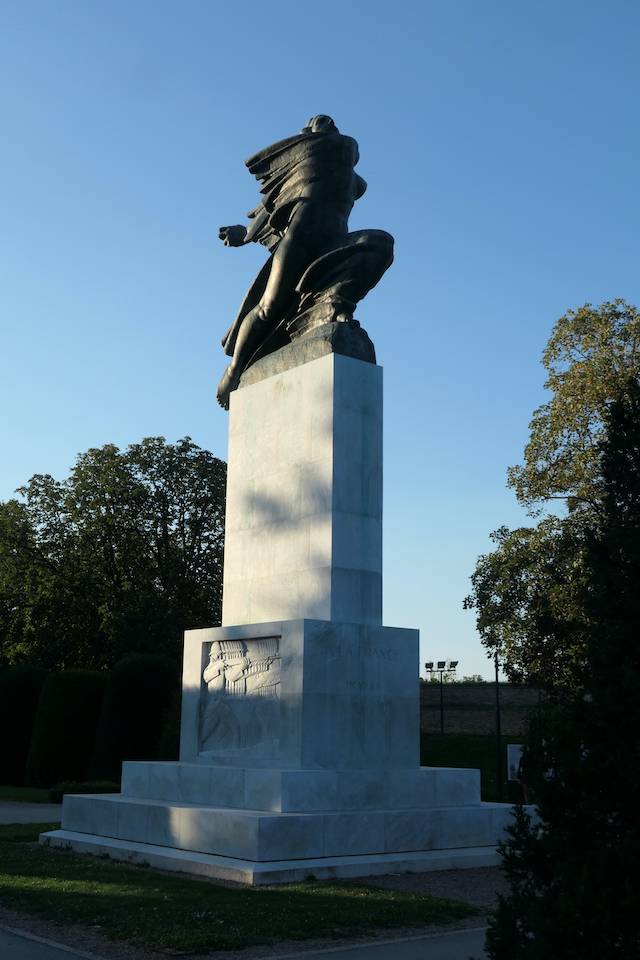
317, 271
224, 676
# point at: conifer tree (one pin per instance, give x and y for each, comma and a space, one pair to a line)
574, 871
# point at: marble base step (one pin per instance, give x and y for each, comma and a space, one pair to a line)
258, 835
279, 871
301, 791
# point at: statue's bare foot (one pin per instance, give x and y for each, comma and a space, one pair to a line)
229, 383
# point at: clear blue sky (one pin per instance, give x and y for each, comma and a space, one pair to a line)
499, 139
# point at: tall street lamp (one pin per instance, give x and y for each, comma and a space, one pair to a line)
442, 668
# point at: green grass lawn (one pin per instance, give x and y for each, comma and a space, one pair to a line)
468, 750
161, 912
24, 794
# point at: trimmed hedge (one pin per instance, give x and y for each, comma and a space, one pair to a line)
65, 727
168, 747
139, 694
90, 786
20, 689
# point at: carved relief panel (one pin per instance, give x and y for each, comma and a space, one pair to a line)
240, 702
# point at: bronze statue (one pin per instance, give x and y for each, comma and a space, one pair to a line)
317, 270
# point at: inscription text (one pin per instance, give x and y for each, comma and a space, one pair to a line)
366, 653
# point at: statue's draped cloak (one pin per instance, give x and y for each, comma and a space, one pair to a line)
310, 166
306, 166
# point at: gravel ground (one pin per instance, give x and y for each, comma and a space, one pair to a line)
478, 886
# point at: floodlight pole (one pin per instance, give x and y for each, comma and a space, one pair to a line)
498, 734
441, 670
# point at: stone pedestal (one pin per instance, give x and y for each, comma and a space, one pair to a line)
303, 535
300, 720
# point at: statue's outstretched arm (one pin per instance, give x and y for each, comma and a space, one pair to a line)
238, 236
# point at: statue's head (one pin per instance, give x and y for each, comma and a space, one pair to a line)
320, 124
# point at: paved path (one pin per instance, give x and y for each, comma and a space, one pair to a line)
448, 946
15, 945
21, 946
29, 812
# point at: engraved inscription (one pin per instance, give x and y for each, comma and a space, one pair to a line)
362, 685
389, 654
240, 708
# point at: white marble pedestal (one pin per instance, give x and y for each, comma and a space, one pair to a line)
300, 726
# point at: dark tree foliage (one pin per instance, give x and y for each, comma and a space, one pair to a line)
574, 874
20, 688
65, 727
139, 696
18, 578
121, 557
527, 592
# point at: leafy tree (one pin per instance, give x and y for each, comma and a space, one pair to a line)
573, 874
121, 557
590, 356
17, 547
527, 594
527, 591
